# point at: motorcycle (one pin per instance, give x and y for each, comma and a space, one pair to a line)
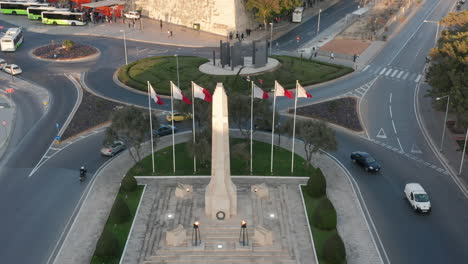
82, 174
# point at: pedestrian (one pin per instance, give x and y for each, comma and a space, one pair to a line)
313, 49
171, 33
160, 24
354, 57
230, 35
277, 45
168, 33
315, 54
237, 35
129, 24
133, 23
332, 55
242, 36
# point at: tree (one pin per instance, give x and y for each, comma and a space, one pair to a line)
68, 45
202, 147
130, 125
316, 135
129, 183
242, 152
288, 5
448, 74
264, 9
107, 245
120, 212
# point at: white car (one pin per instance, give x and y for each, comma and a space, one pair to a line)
12, 69
132, 15
417, 197
2, 62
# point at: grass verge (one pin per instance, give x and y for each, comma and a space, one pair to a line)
121, 231
162, 69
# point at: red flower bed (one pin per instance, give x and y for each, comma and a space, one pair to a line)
59, 53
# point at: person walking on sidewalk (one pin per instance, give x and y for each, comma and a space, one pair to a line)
332, 56
160, 24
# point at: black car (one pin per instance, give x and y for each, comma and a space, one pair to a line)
365, 160
164, 130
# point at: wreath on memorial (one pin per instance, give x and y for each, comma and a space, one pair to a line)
220, 215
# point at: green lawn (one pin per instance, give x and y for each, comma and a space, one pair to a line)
319, 236
162, 69
132, 199
261, 161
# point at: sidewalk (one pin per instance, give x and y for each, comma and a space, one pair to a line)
80, 242
7, 118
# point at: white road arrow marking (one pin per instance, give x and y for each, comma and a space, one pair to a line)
381, 134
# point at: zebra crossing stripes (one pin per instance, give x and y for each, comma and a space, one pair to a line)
394, 73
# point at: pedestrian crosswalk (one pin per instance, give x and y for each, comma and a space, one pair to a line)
393, 73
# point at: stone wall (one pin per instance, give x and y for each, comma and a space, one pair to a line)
216, 16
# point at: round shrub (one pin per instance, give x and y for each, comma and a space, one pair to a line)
129, 183
317, 185
334, 251
120, 212
107, 245
324, 216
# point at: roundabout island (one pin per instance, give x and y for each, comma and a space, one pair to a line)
66, 51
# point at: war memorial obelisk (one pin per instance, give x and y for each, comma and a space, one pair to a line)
220, 195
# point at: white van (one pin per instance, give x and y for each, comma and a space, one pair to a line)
297, 15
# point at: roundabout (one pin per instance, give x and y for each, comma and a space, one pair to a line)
67, 51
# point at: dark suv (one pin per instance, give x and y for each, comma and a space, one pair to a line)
365, 160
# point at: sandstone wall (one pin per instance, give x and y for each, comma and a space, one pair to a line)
216, 16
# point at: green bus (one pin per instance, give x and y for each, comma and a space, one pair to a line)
17, 8
63, 18
35, 12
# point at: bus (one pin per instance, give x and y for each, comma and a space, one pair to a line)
35, 12
63, 18
17, 8
297, 15
12, 39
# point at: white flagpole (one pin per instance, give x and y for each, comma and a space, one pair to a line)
151, 125
193, 119
294, 129
273, 129
251, 127
172, 120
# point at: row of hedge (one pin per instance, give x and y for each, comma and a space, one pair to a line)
110, 245
322, 218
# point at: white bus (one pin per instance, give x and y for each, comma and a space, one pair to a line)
17, 8
297, 15
63, 18
12, 39
35, 13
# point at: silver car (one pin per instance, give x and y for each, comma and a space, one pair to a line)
113, 149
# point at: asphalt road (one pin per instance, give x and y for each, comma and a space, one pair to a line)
48, 198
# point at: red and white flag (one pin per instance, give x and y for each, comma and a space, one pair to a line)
154, 95
280, 91
177, 94
202, 93
301, 92
259, 93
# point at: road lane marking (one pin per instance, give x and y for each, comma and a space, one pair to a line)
418, 78
394, 73
413, 76
390, 98
394, 128
405, 76
365, 68
390, 109
415, 149
383, 70
399, 75
388, 72
381, 133
55, 148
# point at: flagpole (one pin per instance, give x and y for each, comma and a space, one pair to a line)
193, 119
151, 125
172, 121
273, 129
294, 129
251, 127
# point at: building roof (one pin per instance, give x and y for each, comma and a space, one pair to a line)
104, 3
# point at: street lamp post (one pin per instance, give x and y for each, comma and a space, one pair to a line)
125, 46
177, 63
445, 120
318, 23
271, 36
437, 31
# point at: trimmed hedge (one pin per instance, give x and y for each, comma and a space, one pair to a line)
107, 245
324, 216
334, 251
316, 185
129, 183
120, 212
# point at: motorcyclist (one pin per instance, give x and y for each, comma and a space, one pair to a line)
82, 173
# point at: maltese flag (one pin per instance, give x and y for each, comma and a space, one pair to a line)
259, 93
202, 93
177, 94
154, 95
280, 91
301, 92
